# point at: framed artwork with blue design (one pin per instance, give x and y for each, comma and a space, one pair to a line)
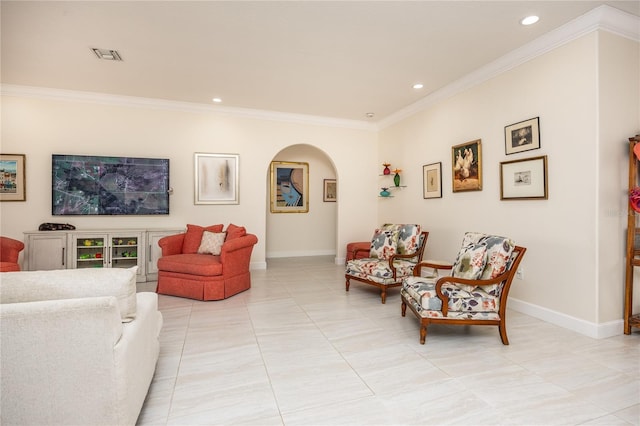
289, 187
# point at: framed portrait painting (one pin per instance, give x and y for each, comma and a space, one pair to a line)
12, 181
524, 179
289, 187
432, 180
522, 136
466, 160
216, 178
330, 191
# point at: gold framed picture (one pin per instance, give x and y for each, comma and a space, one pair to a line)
289, 187
12, 177
330, 191
466, 170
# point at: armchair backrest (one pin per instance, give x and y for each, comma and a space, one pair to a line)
10, 249
393, 240
483, 256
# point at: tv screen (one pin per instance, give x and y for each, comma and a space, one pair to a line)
93, 185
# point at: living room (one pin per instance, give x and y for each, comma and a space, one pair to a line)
580, 81
583, 133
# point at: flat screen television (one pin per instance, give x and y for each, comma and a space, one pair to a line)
94, 185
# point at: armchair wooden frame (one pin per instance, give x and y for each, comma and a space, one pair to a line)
506, 278
424, 235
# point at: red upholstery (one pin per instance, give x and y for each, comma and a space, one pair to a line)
358, 250
9, 251
204, 276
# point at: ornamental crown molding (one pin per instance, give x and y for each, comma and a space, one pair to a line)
602, 18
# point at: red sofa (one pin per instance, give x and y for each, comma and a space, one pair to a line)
185, 273
9, 251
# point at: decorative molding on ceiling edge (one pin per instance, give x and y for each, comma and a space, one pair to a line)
139, 102
604, 18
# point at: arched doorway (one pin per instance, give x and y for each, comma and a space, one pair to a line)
304, 234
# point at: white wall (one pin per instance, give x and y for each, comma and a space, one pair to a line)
42, 124
564, 267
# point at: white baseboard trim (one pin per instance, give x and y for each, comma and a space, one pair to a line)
597, 331
258, 265
298, 253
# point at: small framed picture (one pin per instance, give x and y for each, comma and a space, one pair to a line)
216, 178
466, 166
522, 136
12, 177
524, 179
330, 191
432, 180
289, 187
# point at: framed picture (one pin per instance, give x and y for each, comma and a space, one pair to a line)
524, 179
12, 177
330, 191
432, 180
466, 160
289, 187
522, 136
216, 178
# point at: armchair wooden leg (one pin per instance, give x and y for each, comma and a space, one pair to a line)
383, 295
346, 285
423, 333
404, 308
503, 333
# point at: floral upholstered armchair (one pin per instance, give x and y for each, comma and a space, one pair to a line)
394, 252
476, 291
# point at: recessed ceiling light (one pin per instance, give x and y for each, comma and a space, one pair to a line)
107, 54
216, 100
529, 20
370, 115
418, 86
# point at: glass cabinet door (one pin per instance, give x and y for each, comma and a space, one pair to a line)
124, 251
90, 251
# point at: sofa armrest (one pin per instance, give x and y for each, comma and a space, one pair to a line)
171, 244
235, 255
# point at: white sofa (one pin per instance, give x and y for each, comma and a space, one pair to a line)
78, 347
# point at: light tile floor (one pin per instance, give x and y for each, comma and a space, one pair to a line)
296, 349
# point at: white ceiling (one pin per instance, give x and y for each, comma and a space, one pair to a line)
339, 59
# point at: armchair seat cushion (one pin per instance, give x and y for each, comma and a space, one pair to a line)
374, 270
421, 294
192, 264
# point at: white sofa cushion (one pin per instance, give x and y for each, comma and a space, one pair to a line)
33, 286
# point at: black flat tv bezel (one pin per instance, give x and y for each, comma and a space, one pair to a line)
104, 162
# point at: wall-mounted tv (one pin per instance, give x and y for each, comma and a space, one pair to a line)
93, 185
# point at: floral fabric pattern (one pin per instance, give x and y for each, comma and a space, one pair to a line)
380, 272
486, 256
470, 262
383, 244
408, 237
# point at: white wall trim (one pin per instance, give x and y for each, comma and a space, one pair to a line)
604, 18
162, 104
590, 329
298, 253
257, 265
